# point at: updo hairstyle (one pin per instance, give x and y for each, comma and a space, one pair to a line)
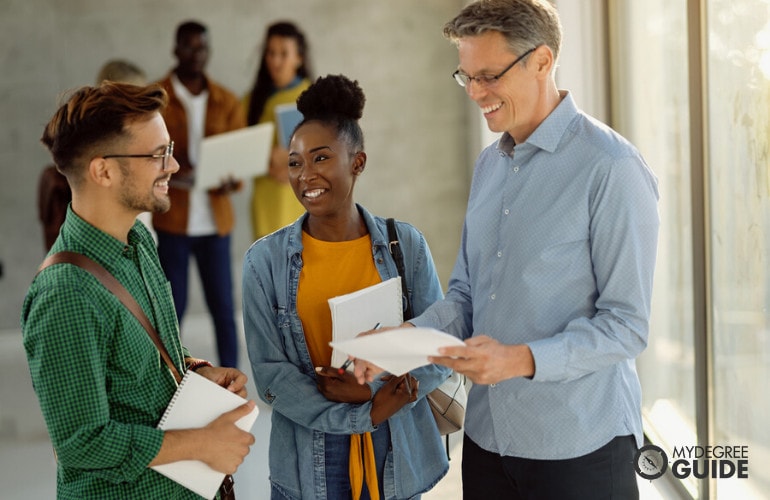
337, 101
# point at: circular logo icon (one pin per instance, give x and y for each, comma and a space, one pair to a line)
650, 462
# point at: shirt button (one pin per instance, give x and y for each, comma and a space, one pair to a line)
492, 385
492, 296
515, 169
499, 254
506, 211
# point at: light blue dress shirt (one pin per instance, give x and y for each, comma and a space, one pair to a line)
557, 252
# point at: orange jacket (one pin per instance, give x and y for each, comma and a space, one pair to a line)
223, 114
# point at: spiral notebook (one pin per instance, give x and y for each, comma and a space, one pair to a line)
196, 402
360, 311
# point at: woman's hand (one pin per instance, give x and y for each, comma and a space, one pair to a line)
341, 388
393, 396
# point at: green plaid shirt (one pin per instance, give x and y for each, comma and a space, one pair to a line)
101, 382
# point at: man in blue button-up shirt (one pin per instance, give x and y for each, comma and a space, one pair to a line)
552, 284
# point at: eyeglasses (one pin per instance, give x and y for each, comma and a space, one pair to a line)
464, 80
166, 155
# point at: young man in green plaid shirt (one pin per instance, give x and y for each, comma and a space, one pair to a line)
101, 382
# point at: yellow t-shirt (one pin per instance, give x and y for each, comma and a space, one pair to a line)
273, 204
330, 268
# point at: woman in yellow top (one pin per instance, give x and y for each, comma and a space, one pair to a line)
331, 438
283, 74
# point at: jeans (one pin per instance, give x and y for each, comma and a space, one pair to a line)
212, 254
607, 473
337, 460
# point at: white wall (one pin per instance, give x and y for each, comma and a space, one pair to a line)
415, 119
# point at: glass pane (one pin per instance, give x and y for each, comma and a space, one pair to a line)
650, 99
739, 159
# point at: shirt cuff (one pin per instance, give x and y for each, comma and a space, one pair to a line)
147, 443
550, 360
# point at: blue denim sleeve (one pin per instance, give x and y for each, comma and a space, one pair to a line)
283, 372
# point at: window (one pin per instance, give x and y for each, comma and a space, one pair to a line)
738, 152
650, 100
651, 103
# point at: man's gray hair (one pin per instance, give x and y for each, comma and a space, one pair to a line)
524, 23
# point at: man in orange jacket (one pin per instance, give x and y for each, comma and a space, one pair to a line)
199, 222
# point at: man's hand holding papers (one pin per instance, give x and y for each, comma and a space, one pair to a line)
395, 350
485, 360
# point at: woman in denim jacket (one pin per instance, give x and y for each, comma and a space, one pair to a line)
330, 437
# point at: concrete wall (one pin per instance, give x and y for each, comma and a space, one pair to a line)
415, 120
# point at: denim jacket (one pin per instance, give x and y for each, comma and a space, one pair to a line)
285, 376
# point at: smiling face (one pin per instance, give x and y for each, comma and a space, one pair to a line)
509, 103
323, 170
144, 185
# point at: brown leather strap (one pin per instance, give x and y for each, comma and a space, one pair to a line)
118, 290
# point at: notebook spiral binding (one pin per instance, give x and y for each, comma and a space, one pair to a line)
173, 399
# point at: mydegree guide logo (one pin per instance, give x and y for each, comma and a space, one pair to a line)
721, 462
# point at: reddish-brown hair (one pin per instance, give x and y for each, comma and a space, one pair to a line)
93, 117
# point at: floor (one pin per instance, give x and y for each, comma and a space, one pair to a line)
27, 468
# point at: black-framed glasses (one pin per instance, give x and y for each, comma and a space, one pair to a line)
464, 80
165, 155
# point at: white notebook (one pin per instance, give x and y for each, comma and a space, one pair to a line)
196, 402
241, 154
362, 310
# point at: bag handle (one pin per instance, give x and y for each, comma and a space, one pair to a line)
118, 290
398, 257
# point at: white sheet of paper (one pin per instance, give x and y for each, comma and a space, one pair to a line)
398, 351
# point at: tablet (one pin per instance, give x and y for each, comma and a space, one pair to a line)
241, 154
287, 117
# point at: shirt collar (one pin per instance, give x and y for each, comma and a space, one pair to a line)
182, 93
294, 245
550, 132
95, 243
297, 80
